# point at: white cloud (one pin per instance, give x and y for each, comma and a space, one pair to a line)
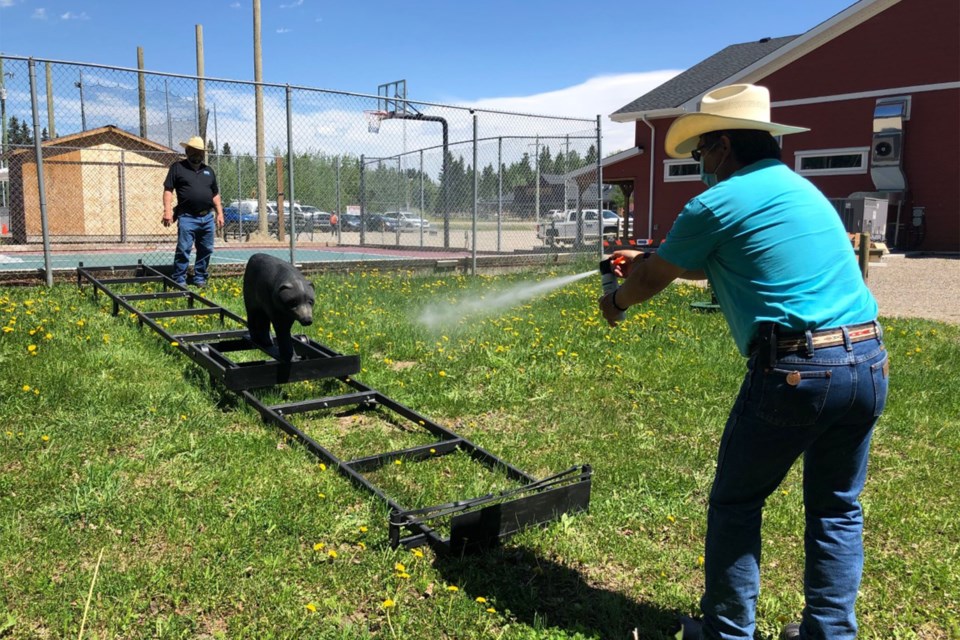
234, 5
600, 95
70, 15
284, 30
39, 14
295, 3
6, 3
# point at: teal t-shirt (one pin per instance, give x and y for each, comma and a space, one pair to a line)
774, 250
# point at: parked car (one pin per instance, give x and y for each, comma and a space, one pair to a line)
315, 219
407, 221
236, 223
350, 222
380, 222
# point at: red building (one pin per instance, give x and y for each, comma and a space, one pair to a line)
878, 85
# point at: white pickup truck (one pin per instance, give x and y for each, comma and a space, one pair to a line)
562, 228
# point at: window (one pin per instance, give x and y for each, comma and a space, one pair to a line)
681, 171
832, 162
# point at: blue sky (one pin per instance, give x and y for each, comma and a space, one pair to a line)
543, 56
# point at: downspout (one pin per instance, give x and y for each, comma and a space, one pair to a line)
653, 155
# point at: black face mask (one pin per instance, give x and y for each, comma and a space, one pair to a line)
196, 159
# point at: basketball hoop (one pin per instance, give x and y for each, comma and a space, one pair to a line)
374, 118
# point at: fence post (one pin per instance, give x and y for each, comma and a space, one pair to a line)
290, 183
599, 187
363, 200
339, 208
473, 250
864, 254
32, 64
499, 191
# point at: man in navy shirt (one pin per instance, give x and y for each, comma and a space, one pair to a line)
198, 195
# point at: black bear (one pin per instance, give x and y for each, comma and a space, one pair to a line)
275, 292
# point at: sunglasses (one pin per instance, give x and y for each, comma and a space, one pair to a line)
697, 153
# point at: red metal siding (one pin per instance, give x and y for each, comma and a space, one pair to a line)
910, 44
914, 42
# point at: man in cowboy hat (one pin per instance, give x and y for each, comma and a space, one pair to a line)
198, 196
781, 266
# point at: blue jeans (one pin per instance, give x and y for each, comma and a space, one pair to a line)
199, 230
827, 416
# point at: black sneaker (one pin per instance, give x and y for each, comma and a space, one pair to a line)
791, 631
689, 629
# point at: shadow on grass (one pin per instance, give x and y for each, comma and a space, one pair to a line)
547, 595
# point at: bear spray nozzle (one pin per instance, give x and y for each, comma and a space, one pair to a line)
608, 279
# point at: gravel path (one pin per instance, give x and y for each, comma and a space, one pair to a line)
917, 286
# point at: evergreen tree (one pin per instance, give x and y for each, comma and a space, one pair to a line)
26, 137
13, 130
226, 149
44, 136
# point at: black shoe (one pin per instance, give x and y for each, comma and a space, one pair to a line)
791, 631
689, 629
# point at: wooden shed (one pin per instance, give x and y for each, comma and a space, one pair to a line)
102, 185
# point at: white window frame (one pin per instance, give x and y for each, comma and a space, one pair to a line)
863, 152
669, 163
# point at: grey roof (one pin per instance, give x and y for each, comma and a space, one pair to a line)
704, 75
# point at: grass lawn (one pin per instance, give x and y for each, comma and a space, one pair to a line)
126, 473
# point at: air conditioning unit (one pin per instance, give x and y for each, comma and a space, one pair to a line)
887, 149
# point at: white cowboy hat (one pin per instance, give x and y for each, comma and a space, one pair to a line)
737, 106
196, 142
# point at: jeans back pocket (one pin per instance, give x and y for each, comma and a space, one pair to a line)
793, 398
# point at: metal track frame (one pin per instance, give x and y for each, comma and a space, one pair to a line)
475, 523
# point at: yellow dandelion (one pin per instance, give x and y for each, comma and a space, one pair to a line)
323, 467
361, 545
398, 462
26, 387
183, 417
453, 588
45, 438
481, 599
671, 518
442, 374
389, 604
399, 567
404, 575
322, 496
363, 529
318, 546
700, 560
417, 553
432, 450
331, 554
312, 608
174, 344
32, 348
491, 610
49, 336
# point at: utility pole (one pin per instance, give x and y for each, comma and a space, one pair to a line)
141, 93
83, 112
261, 146
201, 95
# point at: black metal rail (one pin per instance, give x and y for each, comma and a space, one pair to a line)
474, 523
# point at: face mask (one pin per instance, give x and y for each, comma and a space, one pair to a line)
196, 159
708, 179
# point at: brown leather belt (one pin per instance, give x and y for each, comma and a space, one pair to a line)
828, 337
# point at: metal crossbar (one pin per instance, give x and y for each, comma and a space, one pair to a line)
474, 523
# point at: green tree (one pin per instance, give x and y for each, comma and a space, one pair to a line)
226, 149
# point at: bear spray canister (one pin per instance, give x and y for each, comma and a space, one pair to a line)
608, 280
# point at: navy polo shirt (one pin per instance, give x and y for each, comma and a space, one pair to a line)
195, 188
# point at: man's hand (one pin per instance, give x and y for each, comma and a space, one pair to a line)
610, 313
167, 218
219, 219
622, 259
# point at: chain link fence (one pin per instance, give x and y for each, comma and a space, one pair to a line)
86, 149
